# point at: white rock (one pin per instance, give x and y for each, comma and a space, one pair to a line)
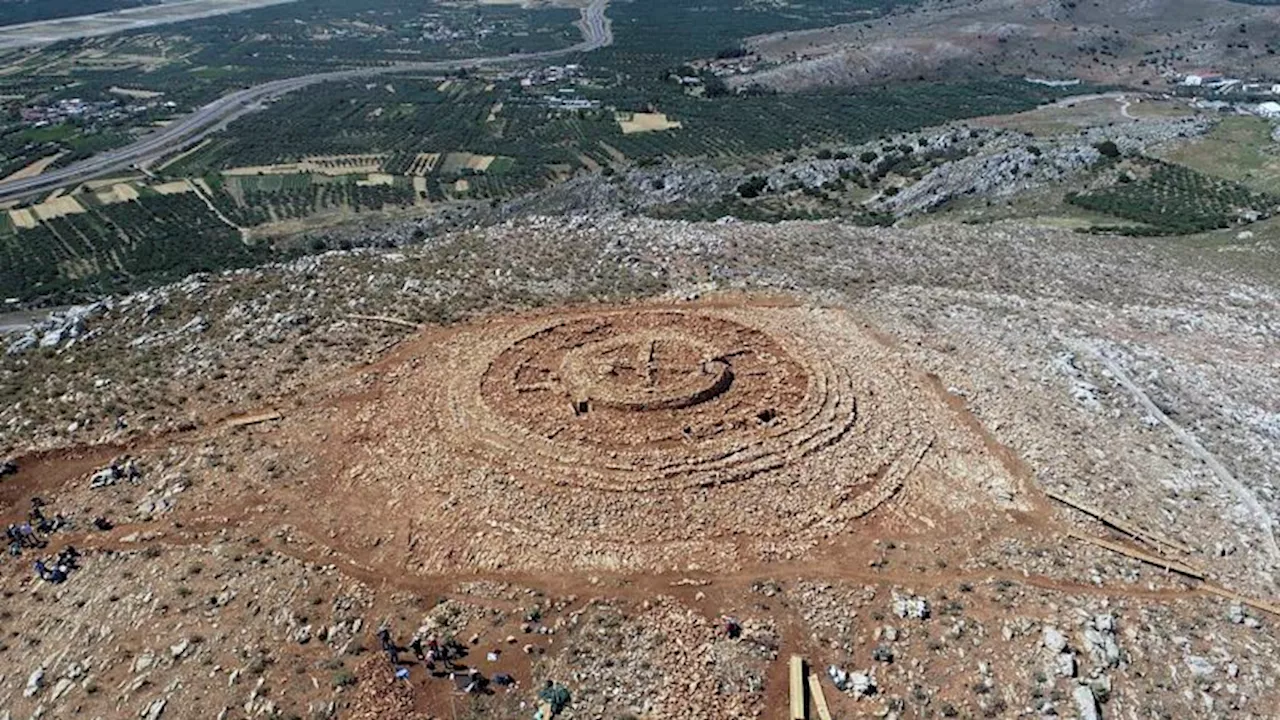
838, 677
34, 683
180, 649
862, 685
911, 607
53, 338
1064, 665
1053, 640
154, 710
1199, 666
23, 344
1086, 703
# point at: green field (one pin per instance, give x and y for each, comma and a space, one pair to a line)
49, 133
530, 137
270, 183
118, 247
1167, 199
1239, 149
501, 165
253, 200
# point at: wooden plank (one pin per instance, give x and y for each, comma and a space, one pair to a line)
819, 699
254, 419
1184, 570
1258, 604
1123, 526
1159, 562
387, 320
797, 689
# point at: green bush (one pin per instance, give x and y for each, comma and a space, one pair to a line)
753, 187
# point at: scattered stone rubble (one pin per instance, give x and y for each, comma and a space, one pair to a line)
60, 329
274, 621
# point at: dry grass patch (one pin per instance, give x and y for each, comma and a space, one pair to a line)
645, 122
101, 183
177, 187
376, 179
135, 93
22, 218
456, 162
57, 207
35, 168
424, 163
117, 193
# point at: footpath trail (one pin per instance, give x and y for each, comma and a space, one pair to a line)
596, 30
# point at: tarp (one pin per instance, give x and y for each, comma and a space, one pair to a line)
557, 696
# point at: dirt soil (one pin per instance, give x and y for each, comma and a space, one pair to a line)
581, 490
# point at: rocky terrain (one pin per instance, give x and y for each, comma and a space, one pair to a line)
902, 176
261, 451
1131, 43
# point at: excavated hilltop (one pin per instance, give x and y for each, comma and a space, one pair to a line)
962, 471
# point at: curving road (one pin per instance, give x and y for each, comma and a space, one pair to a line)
182, 133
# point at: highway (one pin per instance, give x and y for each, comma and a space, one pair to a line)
190, 129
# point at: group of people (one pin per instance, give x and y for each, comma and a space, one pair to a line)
428, 653
32, 533
431, 652
62, 565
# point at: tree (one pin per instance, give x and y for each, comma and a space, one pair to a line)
752, 187
1107, 149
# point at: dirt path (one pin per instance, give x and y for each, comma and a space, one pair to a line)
198, 190
1124, 107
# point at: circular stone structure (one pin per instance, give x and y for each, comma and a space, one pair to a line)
631, 436
657, 399
639, 372
653, 400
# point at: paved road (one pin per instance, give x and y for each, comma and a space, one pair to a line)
188, 130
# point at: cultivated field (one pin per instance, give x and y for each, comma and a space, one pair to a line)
1239, 149
645, 122
322, 164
